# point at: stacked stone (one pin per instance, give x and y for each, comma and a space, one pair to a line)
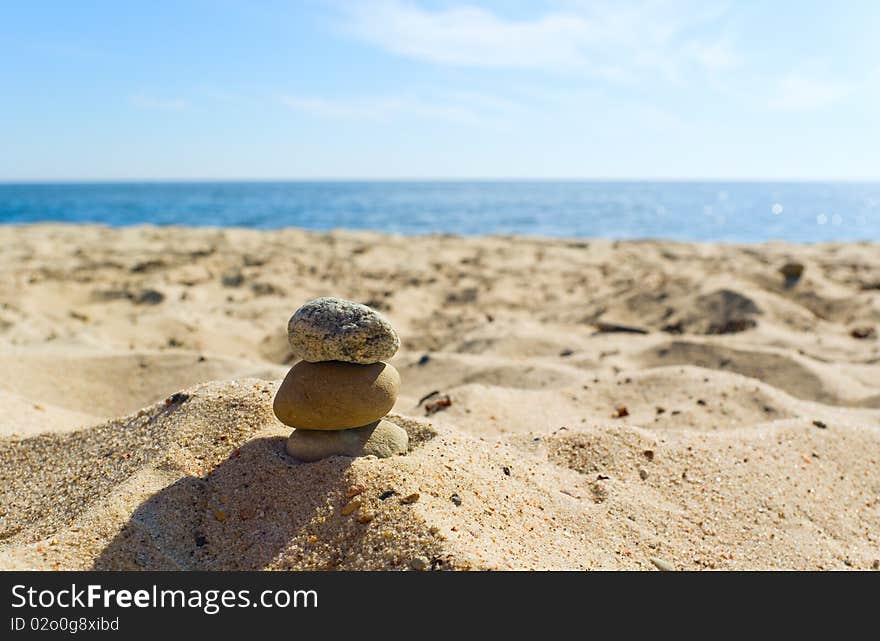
336, 396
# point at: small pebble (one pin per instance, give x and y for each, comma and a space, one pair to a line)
350, 507
232, 278
862, 333
354, 490
419, 563
663, 566
435, 406
411, 498
149, 297
792, 272
643, 473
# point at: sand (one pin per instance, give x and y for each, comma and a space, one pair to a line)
735, 424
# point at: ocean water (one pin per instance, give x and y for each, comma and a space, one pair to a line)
736, 211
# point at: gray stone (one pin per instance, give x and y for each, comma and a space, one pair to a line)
792, 273
380, 439
792, 270
332, 329
148, 297
232, 278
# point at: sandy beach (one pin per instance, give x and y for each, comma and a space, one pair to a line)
571, 404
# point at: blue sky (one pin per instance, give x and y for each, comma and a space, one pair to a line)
415, 89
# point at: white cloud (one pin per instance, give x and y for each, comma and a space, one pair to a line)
322, 107
473, 36
715, 56
795, 92
145, 101
604, 39
386, 108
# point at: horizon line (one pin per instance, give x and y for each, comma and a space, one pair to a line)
205, 180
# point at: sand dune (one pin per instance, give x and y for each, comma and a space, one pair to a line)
610, 403
117, 383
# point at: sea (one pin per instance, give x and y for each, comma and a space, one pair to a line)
699, 211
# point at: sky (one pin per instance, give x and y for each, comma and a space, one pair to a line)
372, 89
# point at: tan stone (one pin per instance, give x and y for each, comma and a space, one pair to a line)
333, 396
381, 439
